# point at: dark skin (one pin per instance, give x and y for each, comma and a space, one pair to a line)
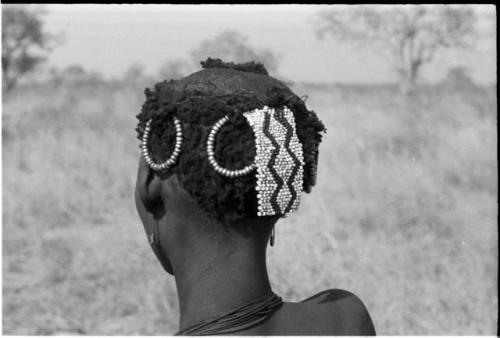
217, 268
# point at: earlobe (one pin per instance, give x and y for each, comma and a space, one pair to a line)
148, 187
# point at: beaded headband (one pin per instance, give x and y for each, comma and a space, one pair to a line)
278, 161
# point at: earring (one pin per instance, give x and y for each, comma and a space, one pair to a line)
211, 154
271, 240
175, 154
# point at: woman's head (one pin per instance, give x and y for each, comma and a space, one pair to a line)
199, 101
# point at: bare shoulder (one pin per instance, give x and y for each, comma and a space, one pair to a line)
329, 313
342, 312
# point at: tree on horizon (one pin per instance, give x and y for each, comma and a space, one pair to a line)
407, 36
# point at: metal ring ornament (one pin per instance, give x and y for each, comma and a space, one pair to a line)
211, 154
175, 154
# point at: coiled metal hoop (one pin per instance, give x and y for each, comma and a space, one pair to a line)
175, 154
211, 154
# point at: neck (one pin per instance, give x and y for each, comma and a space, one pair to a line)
209, 285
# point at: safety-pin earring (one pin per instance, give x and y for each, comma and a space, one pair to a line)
271, 240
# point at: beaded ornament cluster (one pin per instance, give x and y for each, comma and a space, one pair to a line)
278, 161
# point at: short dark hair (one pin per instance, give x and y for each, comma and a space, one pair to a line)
199, 101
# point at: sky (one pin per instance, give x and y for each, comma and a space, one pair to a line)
109, 38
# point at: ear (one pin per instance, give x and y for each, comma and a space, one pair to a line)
148, 188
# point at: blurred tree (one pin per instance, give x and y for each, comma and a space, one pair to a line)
408, 36
174, 69
24, 42
74, 71
134, 73
231, 46
75, 74
459, 79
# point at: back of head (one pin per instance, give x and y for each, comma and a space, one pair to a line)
199, 101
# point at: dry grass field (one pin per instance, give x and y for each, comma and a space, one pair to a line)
404, 214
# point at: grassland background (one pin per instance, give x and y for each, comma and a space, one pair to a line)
404, 215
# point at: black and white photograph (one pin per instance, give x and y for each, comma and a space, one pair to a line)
261, 170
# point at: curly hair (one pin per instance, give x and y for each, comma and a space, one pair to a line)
199, 101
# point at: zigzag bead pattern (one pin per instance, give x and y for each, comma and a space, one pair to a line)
279, 160
175, 154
